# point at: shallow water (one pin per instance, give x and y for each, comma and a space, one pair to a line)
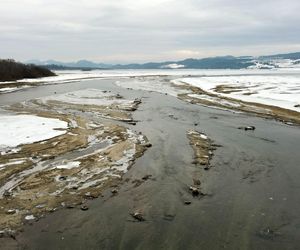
253, 186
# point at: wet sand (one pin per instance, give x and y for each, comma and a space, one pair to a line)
252, 188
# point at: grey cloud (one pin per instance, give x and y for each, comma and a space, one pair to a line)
129, 30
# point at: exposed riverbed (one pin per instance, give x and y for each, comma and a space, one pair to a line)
251, 190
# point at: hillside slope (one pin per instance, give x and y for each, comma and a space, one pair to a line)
11, 70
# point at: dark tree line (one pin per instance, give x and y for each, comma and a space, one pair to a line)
11, 70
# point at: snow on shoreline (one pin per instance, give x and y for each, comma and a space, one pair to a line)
8, 90
276, 90
25, 129
278, 87
65, 76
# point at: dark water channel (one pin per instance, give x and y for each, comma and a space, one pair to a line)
253, 187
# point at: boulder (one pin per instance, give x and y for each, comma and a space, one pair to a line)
138, 216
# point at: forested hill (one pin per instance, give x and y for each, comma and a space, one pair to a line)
11, 70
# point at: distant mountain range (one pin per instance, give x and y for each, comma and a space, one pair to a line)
221, 62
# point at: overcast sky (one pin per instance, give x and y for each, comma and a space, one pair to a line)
146, 30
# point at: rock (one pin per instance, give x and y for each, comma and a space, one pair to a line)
297, 106
187, 202
173, 117
118, 96
146, 177
11, 211
148, 145
247, 128
207, 167
138, 216
195, 124
84, 207
7, 193
137, 101
62, 178
250, 128
114, 191
195, 191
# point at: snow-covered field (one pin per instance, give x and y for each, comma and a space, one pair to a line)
64, 76
281, 91
276, 63
279, 86
24, 129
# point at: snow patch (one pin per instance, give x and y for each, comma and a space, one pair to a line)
173, 66
24, 129
12, 162
203, 136
29, 217
69, 165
